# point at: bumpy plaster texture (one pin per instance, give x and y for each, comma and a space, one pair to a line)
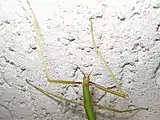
126, 31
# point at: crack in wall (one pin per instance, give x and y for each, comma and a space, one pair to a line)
155, 75
156, 70
10, 113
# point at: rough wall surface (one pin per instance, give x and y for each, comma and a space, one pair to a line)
126, 31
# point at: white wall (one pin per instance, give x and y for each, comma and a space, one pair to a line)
127, 33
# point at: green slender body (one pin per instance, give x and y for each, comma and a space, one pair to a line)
88, 98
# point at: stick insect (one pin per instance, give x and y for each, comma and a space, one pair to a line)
87, 98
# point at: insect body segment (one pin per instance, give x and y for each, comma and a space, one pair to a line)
87, 98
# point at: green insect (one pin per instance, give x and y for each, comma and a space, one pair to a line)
87, 98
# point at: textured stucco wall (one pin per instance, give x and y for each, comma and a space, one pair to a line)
127, 32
